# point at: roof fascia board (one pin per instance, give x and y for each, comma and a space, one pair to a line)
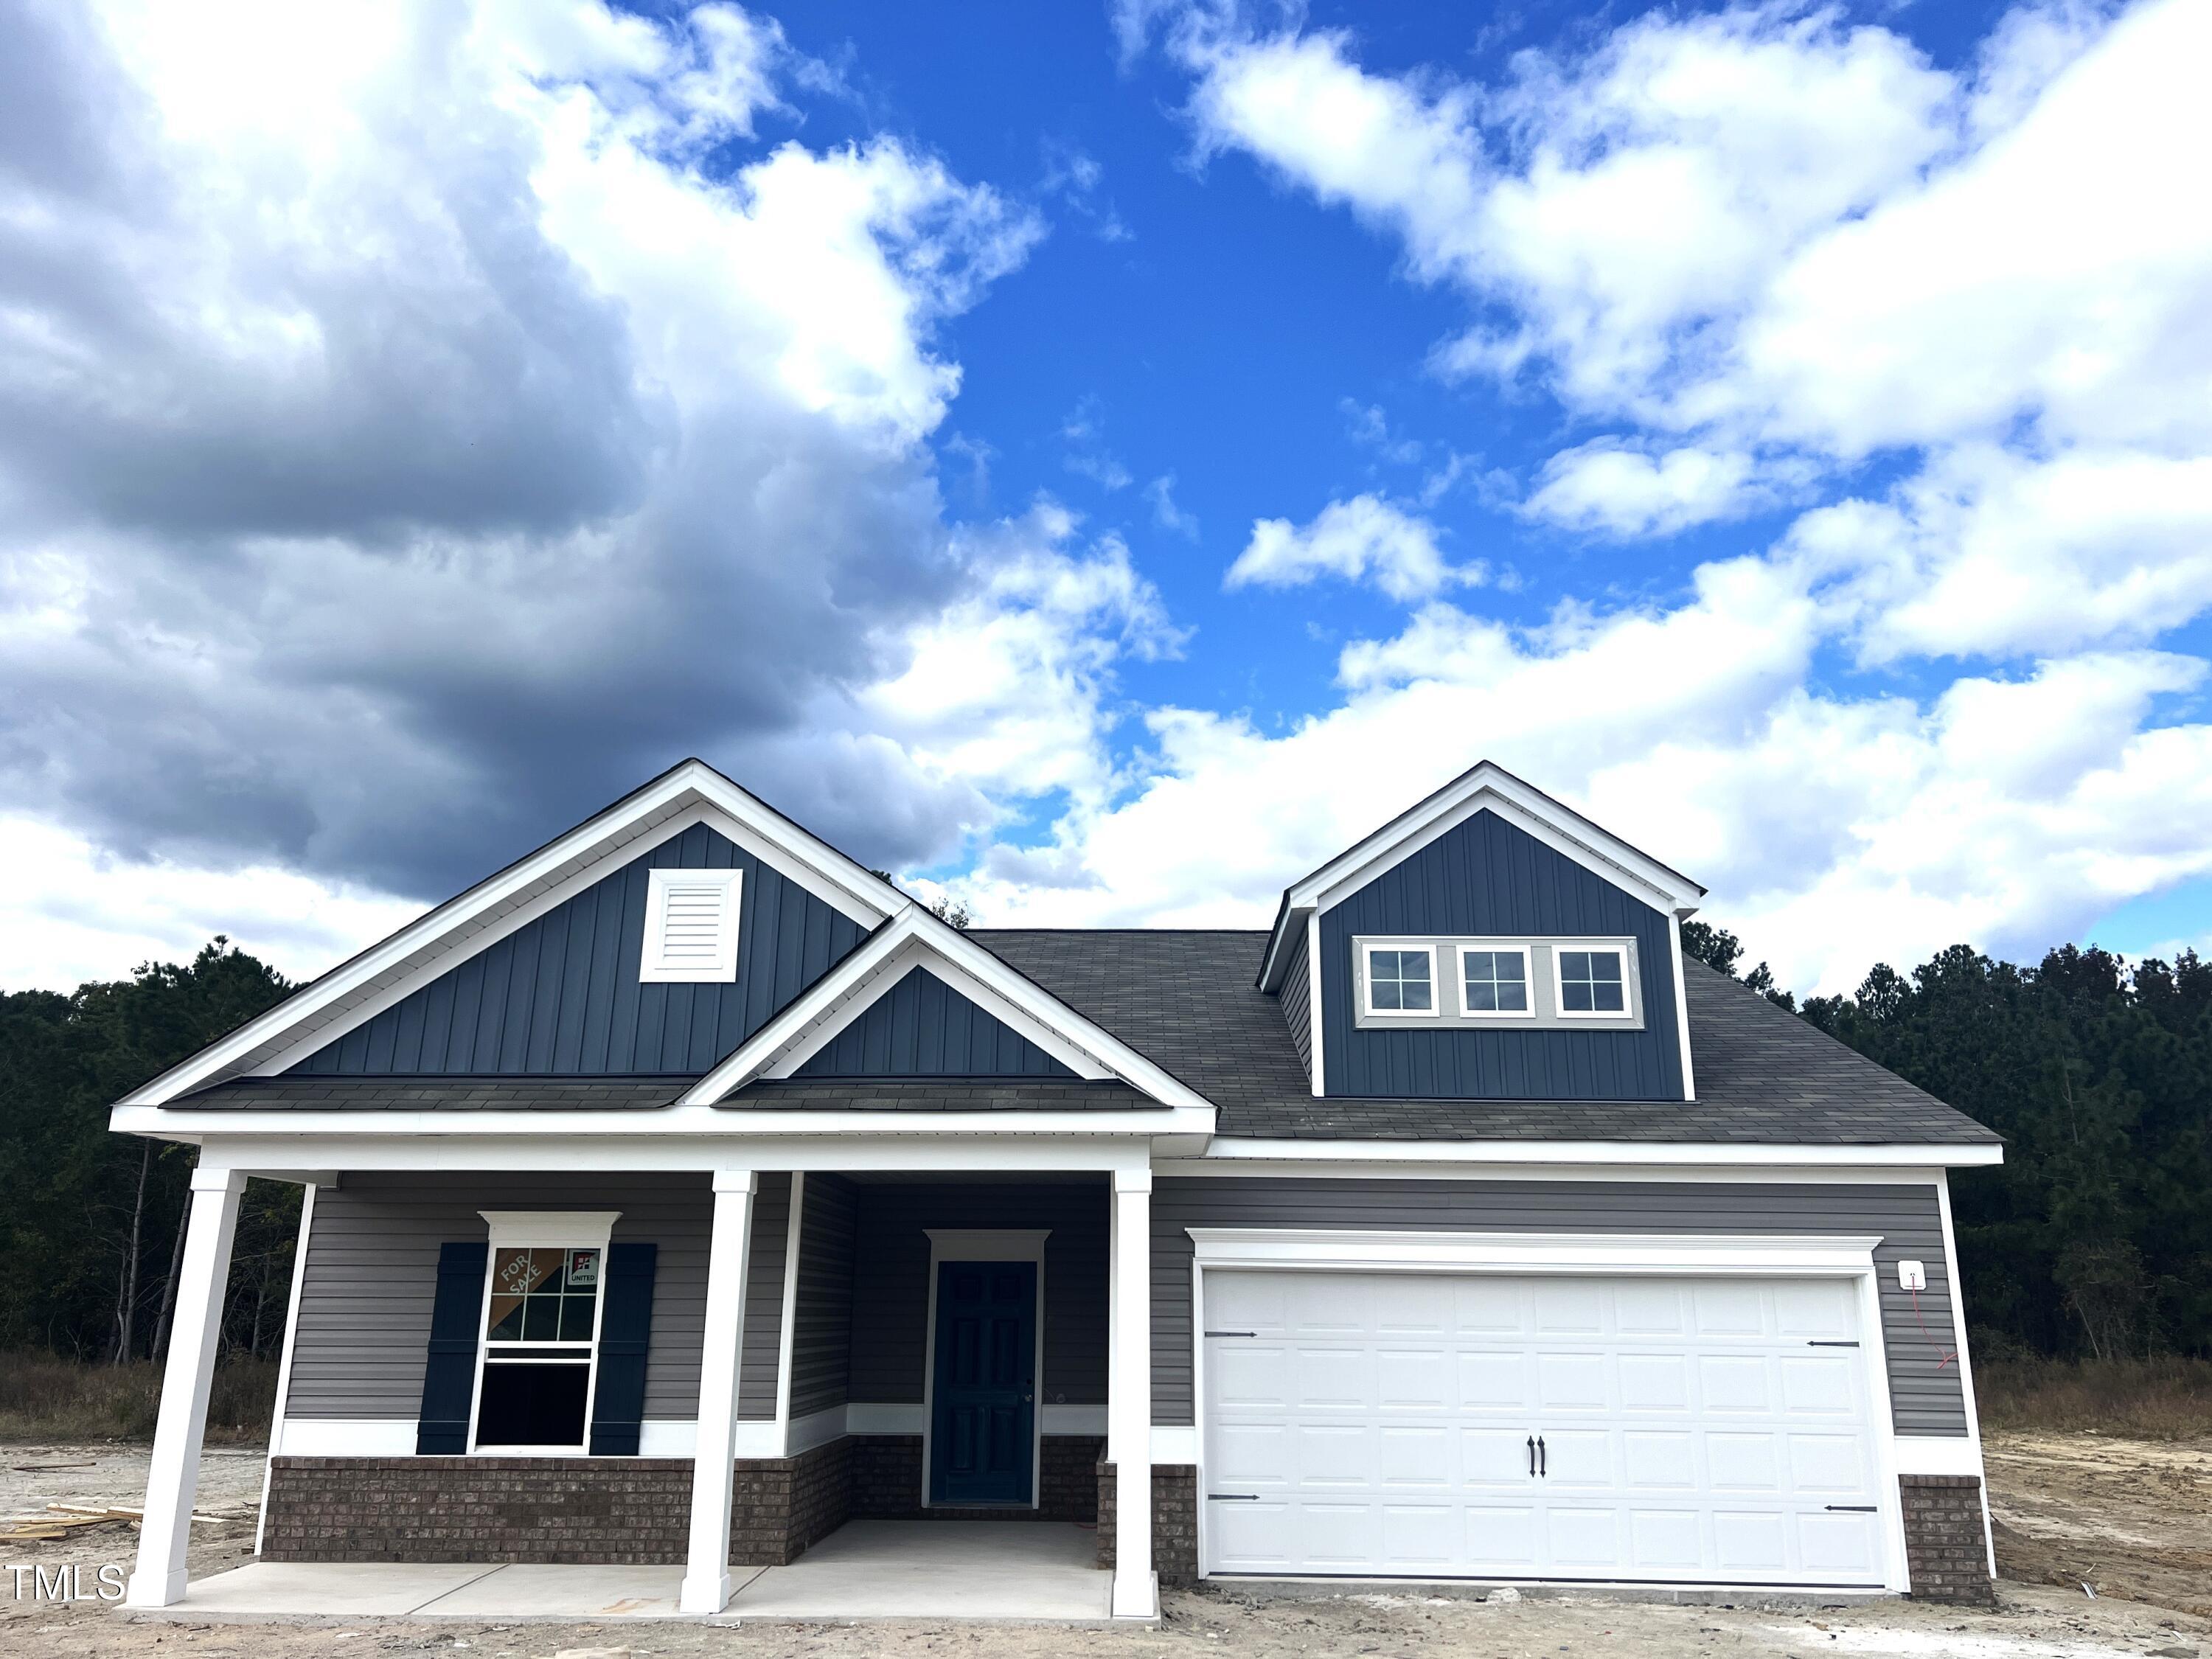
514, 896
942, 942
455, 1140
1890, 1155
910, 954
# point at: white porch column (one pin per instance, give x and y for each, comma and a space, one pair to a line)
173, 1481
707, 1561
1129, 1395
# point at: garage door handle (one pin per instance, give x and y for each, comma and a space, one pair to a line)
1232, 1333
1543, 1459
1853, 1508
1831, 1345
1232, 1497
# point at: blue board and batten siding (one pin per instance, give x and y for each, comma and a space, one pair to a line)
921, 1027
1486, 876
560, 995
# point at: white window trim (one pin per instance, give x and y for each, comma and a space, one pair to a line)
1460, 952
1789, 1256
651, 971
1628, 1013
570, 1230
1367, 950
984, 1245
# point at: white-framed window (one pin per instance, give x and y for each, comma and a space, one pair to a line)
537, 1355
691, 927
1401, 981
1493, 982
1590, 981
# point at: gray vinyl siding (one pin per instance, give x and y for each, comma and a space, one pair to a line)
1297, 1002
1488, 877
372, 1274
921, 1027
560, 995
822, 1332
764, 1343
1925, 1394
890, 1281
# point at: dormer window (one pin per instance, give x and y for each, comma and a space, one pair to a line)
1520, 983
1401, 981
1494, 981
1591, 984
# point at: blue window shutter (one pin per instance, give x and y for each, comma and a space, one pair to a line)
625, 1333
450, 1377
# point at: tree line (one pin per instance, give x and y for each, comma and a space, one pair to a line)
2094, 1237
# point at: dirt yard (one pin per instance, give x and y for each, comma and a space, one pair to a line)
2133, 1519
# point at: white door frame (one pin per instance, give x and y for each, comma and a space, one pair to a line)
1530, 1255
984, 1245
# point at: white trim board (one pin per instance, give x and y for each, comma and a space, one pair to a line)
363, 985
1791, 1255
1225, 1150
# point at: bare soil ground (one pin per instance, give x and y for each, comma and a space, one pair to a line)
2134, 1516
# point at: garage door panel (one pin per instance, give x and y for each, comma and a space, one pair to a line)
1502, 1536
1660, 1461
1413, 1379
1383, 1423
1735, 1382
1493, 1381
1754, 1543
1578, 1381
1654, 1381
1408, 1456
1662, 1541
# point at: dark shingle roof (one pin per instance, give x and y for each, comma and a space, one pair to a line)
440, 1094
985, 1093
1185, 999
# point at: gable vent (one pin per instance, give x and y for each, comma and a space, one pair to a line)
691, 927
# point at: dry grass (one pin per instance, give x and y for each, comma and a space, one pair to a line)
2144, 1399
45, 1399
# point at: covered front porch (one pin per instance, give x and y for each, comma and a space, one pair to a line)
965, 1570
901, 1376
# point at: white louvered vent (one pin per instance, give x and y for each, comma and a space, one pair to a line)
691, 927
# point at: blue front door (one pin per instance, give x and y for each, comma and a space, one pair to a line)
983, 1419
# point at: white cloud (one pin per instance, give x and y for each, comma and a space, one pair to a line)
1607, 486
1365, 539
70, 913
1165, 513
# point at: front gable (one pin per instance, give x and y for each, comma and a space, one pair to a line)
920, 1027
564, 994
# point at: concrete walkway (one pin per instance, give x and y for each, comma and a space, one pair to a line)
1011, 1571
968, 1570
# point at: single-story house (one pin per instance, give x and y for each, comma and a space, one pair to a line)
684, 1190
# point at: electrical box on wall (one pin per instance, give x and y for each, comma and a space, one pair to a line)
1912, 1276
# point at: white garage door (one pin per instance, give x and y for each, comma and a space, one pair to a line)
1431, 1426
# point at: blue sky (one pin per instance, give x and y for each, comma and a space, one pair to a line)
1097, 461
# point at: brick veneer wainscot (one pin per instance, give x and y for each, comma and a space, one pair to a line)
1945, 1548
887, 1482
622, 1511
1175, 1521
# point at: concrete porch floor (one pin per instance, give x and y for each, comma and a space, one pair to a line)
1006, 1570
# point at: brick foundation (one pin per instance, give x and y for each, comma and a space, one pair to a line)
886, 1482
1945, 1548
1175, 1521
783, 1504
622, 1512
